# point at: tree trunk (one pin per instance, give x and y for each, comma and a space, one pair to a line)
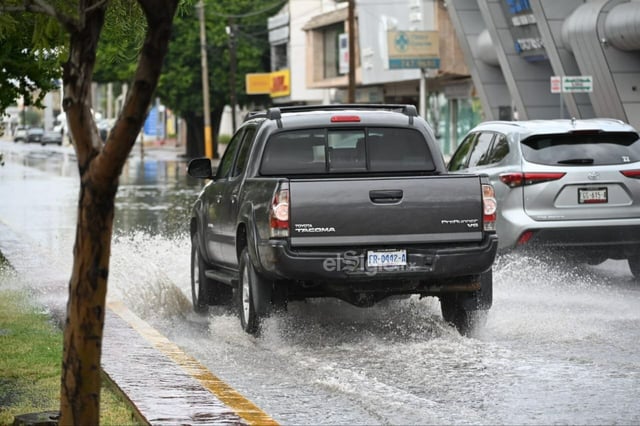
195, 135
80, 399
195, 132
99, 167
216, 117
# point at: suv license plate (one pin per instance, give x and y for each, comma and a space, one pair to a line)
592, 195
377, 259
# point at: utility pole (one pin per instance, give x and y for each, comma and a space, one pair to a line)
231, 31
352, 51
208, 146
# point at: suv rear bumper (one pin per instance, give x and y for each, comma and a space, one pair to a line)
279, 261
612, 238
614, 242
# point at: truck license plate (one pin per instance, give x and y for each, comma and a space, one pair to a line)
377, 259
592, 195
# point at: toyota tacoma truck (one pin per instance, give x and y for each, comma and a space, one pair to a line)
346, 201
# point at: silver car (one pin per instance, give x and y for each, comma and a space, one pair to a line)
567, 184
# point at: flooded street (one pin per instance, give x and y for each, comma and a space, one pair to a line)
560, 346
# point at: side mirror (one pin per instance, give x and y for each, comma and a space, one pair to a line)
200, 168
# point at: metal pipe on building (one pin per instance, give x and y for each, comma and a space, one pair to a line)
622, 26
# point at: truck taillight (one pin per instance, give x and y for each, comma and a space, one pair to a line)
489, 207
279, 214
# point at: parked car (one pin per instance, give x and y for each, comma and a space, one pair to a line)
567, 184
345, 201
35, 134
20, 134
52, 136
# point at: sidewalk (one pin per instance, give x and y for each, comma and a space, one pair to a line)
164, 385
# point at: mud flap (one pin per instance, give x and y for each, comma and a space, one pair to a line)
481, 299
261, 290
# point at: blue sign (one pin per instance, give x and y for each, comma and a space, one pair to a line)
518, 6
151, 123
432, 63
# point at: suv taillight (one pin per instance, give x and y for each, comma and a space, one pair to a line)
489, 207
279, 214
635, 174
514, 180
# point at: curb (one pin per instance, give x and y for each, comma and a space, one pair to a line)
162, 384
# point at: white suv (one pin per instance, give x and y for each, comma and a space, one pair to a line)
568, 184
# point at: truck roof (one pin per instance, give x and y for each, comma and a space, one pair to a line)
336, 114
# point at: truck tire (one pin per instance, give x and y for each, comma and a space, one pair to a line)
254, 295
634, 265
204, 290
199, 287
467, 312
456, 313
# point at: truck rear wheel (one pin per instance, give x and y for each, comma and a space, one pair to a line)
634, 265
254, 295
468, 311
454, 311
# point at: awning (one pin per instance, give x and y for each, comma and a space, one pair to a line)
326, 19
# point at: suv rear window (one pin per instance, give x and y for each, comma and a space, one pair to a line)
579, 149
326, 151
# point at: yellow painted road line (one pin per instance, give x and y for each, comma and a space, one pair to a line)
225, 393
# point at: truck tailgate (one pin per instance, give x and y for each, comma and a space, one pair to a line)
383, 211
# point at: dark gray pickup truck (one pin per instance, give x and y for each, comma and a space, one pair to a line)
346, 201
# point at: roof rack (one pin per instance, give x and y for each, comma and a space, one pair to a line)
409, 110
275, 113
254, 114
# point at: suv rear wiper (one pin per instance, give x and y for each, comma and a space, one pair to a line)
576, 161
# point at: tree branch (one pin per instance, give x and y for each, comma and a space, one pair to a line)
44, 7
97, 5
159, 16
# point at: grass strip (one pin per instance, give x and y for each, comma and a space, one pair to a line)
31, 357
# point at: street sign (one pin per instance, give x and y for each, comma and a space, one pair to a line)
275, 84
577, 84
343, 53
556, 84
258, 83
413, 49
280, 83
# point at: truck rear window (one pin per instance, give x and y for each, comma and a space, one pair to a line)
584, 148
323, 151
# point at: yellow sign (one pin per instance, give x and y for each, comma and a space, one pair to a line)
277, 83
413, 49
258, 84
280, 83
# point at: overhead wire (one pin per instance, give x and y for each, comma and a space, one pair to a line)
248, 14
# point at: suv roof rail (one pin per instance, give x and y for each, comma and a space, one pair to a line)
504, 122
406, 109
254, 114
275, 113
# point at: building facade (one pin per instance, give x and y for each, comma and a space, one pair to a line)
310, 39
542, 59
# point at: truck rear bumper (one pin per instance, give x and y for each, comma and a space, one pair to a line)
279, 261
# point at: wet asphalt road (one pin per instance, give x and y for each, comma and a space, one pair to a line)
560, 347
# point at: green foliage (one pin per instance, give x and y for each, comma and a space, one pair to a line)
180, 85
30, 54
120, 43
33, 47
